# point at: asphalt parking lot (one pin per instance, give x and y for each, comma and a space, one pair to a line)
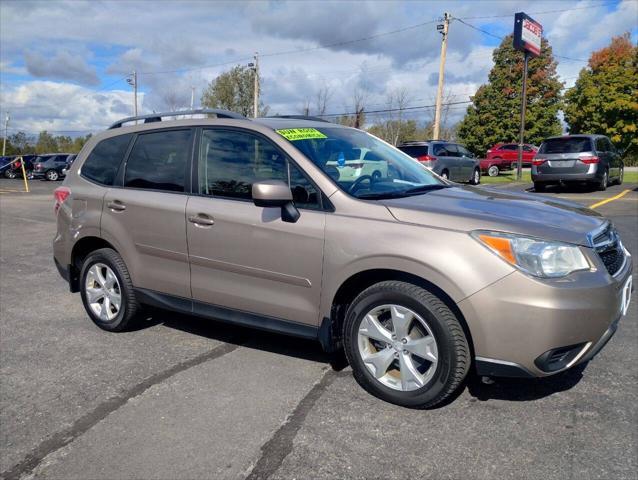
186, 398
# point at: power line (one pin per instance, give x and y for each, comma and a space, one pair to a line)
503, 38
546, 12
300, 50
388, 110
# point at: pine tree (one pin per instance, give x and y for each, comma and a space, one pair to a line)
494, 115
604, 99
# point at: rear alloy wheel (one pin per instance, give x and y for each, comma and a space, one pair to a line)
604, 182
493, 171
107, 291
476, 177
405, 345
621, 175
52, 175
10, 173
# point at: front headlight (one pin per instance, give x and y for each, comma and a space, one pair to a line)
536, 257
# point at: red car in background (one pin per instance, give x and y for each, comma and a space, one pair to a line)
503, 156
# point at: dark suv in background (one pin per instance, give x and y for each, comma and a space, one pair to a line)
589, 159
51, 166
446, 159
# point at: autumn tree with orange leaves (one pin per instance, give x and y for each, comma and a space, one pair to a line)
494, 114
604, 99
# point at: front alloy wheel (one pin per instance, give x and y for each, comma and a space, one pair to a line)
52, 175
397, 347
405, 345
493, 171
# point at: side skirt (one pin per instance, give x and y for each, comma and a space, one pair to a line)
235, 317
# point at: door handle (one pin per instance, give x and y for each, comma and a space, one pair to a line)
201, 221
116, 205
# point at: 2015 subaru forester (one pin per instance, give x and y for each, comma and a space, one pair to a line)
417, 278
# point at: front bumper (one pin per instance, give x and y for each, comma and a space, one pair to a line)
516, 333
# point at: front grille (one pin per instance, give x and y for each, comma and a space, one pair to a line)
609, 249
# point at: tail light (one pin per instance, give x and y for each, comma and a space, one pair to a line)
589, 160
538, 161
427, 160
60, 194
37, 166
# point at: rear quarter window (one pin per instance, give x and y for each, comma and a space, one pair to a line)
104, 160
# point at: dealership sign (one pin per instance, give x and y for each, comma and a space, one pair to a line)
527, 34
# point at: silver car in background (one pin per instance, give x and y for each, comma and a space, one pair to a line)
448, 160
589, 159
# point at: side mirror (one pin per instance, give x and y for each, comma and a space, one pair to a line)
275, 193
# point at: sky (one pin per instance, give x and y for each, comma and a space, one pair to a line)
64, 64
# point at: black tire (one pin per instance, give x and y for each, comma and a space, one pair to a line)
10, 173
621, 175
539, 187
476, 177
493, 171
604, 182
52, 175
453, 349
125, 318
445, 174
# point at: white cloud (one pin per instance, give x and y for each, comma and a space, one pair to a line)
117, 37
56, 106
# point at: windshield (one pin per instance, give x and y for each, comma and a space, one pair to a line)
361, 164
566, 145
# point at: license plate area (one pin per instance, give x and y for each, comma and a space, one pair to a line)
561, 163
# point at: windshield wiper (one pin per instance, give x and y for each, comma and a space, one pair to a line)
425, 188
403, 193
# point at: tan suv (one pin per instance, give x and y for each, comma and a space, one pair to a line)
417, 278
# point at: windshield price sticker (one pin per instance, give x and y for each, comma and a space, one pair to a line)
293, 134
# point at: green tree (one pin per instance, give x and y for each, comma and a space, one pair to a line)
395, 132
494, 114
604, 99
233, 90
46, 143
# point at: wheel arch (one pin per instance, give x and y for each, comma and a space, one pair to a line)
80, 251
359, 281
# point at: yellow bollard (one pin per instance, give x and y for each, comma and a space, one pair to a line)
24, 176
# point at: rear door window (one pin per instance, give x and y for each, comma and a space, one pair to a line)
158, 161
566, 145
509, 147
104, 160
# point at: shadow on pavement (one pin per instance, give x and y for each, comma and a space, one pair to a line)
246, 337
522, 389
509, 389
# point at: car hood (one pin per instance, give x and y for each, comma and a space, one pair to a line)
479, 208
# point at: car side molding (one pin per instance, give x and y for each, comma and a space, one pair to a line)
227, 315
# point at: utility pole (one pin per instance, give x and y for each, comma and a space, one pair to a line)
439, 93
521, 140
256, 92
6, 131
192, 96
132, 81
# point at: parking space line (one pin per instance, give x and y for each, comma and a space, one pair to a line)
607, 200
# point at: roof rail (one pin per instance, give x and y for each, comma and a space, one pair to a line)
157, 117
301, 117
